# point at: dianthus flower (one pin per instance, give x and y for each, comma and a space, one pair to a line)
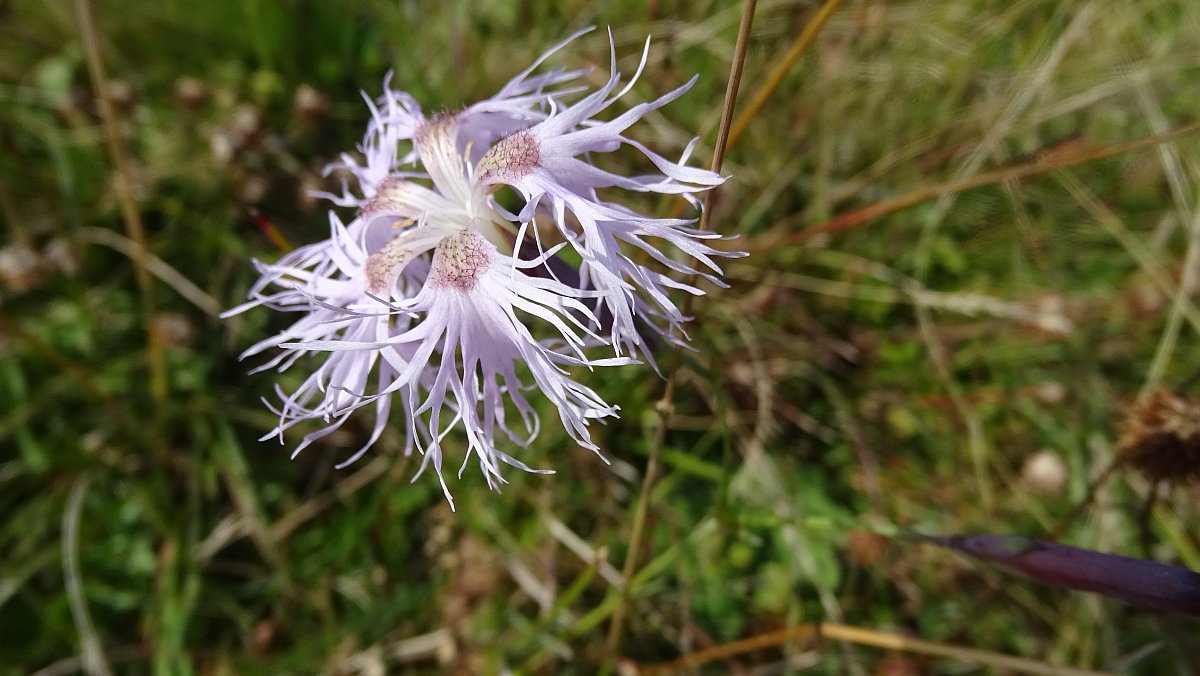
437, 296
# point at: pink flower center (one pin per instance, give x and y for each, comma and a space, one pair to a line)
511, 159
460, 260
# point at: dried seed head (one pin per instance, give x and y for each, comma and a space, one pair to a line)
75, 106
59, 254
1050, 392
190, 93
21, 268
1044, 473
174, 329
307, 184
245, 124
251, 189
309, 105
1161, 437
222, 146
866, 549
122, 94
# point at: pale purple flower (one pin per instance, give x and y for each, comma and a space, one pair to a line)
437, 297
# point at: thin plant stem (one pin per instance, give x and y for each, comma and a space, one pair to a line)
94, 662
1181, 302
1145, 515
798, 48
810, 633
764, 93
124, 189
166, 274
1039, 166
76, 371
1089, 497
663, 407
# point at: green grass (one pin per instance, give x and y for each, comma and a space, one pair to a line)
897, 375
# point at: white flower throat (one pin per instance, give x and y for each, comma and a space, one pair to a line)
457, 221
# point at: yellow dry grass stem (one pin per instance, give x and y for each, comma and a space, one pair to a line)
124, 189
808, 633
664, 405
764, 93
798, 48
1040, 165
729, 130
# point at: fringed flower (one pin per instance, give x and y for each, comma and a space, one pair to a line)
437, 297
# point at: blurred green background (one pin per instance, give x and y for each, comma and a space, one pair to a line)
958, 366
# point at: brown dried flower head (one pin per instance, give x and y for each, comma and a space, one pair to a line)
1161, 437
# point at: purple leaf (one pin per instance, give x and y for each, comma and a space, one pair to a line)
1136, 581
